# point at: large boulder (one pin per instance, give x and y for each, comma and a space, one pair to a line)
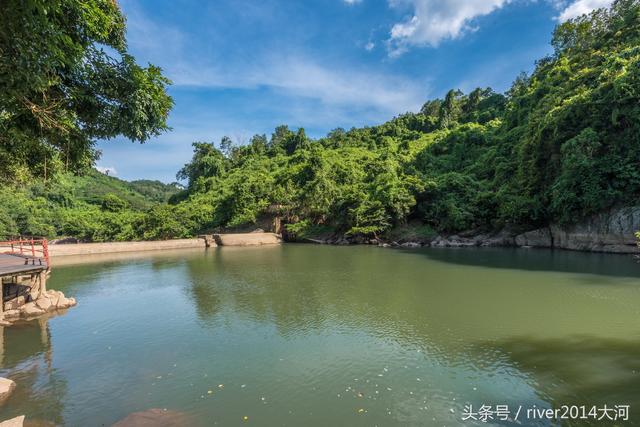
54, 296
30, 309
66, 302
13, 422
6, 388
15, 303
540, 238
44, 303
11, 314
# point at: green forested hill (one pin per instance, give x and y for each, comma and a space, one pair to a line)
139, 195
563, 143
92, 207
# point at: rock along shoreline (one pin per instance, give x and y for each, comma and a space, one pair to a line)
609, 232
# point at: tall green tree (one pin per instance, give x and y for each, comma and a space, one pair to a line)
67, 80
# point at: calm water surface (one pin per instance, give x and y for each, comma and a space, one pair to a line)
303, 335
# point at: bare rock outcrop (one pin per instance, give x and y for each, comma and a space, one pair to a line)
611, 231
13, 422
540, 238
48, 302
6, 388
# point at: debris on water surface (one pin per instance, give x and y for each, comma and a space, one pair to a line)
360, 411
243, 386
245, 418
210, 392
220, 385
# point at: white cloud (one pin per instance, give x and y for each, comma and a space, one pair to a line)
369, 46
107, 170
352, 1
299, 76
293, 74
580, 7
433, 21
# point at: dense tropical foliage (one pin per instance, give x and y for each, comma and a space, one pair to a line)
563, 143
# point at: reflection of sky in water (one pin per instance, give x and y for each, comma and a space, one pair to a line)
313, 335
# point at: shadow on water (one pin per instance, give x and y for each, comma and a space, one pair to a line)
577, 371
535, 260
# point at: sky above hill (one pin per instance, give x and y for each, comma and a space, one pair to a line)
243, 67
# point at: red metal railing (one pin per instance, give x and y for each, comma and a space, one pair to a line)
32, 247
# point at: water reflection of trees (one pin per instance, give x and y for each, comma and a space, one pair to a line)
299, 293
26, 358
603, 264
577, 371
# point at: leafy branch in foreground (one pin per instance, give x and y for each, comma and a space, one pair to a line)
66, 80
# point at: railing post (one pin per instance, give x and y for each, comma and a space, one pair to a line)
45, 252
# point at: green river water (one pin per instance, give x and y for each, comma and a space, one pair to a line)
309, 335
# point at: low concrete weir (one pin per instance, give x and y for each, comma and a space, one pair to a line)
235, 239
114, 247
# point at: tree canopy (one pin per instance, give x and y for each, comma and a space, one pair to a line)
562, 144
66, 80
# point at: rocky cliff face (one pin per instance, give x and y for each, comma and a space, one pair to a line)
611, 231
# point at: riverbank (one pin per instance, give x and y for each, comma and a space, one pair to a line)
612, 231
232, 239
545, 238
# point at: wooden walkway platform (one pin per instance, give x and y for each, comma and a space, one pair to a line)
13, 265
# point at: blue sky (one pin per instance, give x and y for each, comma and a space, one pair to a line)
242, 67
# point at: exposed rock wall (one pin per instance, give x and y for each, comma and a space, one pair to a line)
611, 231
